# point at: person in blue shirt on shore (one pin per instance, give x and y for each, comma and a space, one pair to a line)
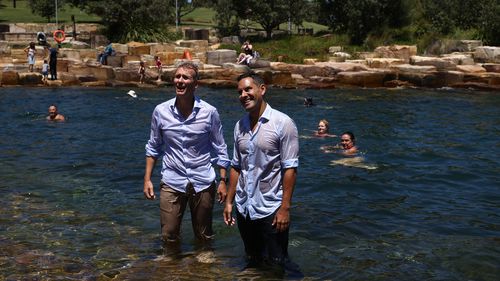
185, 130
262, 176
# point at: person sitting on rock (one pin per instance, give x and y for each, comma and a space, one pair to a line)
247, 55
108, 51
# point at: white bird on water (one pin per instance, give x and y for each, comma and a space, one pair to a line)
132, 93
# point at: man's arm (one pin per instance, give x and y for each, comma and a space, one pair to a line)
221, 190
148, 185
282, 219
228, 209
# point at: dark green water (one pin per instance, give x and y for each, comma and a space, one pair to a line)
424, 205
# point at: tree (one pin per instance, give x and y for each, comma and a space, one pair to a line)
358, 18
226, 17
44, 8
270, 14
132, 20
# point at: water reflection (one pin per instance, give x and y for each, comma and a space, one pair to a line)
71, 204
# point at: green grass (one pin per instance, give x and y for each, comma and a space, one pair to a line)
295, 48
22, 13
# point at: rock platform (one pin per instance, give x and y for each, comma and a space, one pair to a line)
387, 66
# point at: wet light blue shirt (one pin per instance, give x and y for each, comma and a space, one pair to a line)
187, 144
262, 156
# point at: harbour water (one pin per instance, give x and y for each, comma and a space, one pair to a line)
424, 204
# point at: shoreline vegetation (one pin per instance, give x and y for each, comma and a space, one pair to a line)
309, 60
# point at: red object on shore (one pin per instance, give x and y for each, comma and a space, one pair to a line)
59, 36
187, 55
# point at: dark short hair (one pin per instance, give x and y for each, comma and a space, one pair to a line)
192, 66
250, 74
350, 134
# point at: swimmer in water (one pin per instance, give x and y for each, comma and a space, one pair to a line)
323, 129
54, 115
348, 143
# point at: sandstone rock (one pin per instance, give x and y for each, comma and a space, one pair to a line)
362, 78
230, 40
5, 48
68, 79
79, 45
103, 72
489, 78
116, 60
403, 52
5, 60
487, 54
420, 79
168, 58
240, 68
9, 78
439, 63
310, 61
408, 68
342, 55
221, 56
333, 67
397, 83
54, 83
86, 78
96, 84
260, 63
161, 47
194, 44
492, 67
366, 55
459, 58
334, 49
137, 49
447, 78
471, 68
120, 48
78, 69
30, 78
383, 62
126, 74
209, 66
336, 59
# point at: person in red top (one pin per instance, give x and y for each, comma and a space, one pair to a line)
158, 65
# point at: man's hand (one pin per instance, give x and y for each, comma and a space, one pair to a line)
281, 220
148, 190
221, 192
228, 214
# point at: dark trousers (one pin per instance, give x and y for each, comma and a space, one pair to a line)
263, 243
53, 70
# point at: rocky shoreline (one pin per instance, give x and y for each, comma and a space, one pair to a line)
477, 67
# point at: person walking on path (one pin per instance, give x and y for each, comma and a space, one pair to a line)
185, 130
262, 176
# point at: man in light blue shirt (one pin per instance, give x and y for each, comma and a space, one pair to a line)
186, 131
263, 173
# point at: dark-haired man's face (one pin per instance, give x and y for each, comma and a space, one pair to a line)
251, 94
52, 112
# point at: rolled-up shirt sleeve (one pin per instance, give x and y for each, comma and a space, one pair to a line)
155, 142
218, 143
289, 145
235, 162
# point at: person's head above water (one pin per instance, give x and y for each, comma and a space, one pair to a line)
54, 114
347, 140
323, 127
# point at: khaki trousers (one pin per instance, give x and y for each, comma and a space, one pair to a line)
173, 204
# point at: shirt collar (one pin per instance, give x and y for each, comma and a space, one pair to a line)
196, 106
